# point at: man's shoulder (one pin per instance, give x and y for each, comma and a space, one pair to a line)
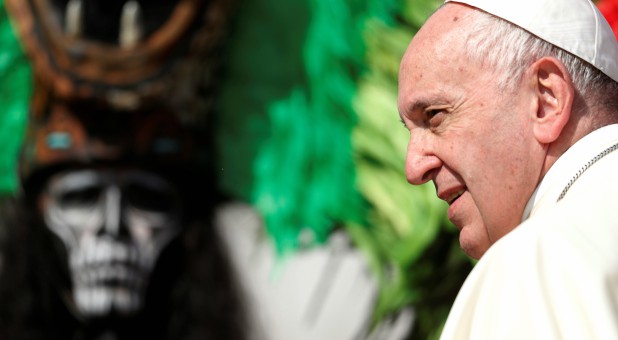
551, 270
573, 230
582, 224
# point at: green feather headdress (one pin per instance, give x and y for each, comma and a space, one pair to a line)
313, 114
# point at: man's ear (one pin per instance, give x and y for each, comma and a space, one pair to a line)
555, 94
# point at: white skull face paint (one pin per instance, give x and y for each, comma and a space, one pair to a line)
114, 223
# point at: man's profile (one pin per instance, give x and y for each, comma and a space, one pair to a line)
512, 110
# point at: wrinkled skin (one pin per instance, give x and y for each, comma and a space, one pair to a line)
473, 141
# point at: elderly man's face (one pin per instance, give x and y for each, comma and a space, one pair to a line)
468, 137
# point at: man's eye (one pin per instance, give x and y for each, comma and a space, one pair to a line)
432, 113
435, 117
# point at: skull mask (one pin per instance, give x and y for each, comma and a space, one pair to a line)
114, 224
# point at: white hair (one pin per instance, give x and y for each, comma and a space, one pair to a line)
498, 44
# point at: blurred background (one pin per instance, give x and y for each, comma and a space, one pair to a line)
306, 134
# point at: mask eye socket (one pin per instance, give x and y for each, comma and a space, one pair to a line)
84, 197
153, 198
80, 189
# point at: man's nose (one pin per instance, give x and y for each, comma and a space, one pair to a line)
421, 161
113, 218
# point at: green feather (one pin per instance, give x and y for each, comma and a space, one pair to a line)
15, 92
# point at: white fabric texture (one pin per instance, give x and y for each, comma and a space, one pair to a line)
556, 275
576, 26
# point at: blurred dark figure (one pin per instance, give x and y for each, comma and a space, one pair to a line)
111, 236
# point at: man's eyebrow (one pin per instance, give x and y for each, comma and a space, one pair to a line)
415, 106
411, 108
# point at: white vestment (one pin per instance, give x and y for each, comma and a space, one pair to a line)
555, 276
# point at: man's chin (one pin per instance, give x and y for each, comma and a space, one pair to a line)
473, 244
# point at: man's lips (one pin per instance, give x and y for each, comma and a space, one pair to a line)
449, 196
458, 207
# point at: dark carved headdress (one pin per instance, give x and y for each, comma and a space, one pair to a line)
118, 79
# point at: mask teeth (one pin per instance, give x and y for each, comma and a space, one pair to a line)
130, 25
99, 301
126, 276
104, 251
74, 19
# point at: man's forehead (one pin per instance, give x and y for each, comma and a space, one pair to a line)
443, 34
448, 20
434, 58
440, 40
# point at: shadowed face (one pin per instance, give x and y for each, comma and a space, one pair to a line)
469, 137
114, 224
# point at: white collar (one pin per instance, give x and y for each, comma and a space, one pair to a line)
568, 164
